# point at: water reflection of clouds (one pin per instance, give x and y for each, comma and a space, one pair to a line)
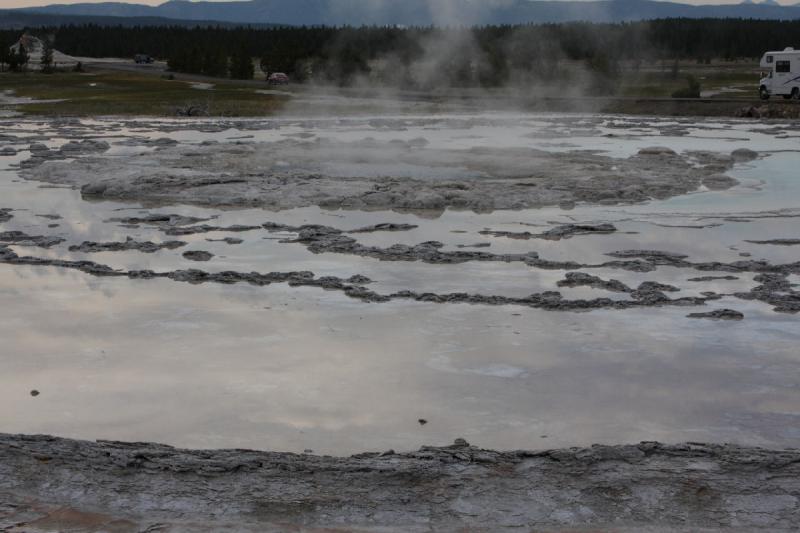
299, 374
293, 368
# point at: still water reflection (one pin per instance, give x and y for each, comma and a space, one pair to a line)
301, 368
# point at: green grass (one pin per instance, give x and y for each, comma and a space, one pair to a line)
658, 84
118, 93
129, 93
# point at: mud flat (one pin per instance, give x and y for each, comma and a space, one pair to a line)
385, 163
48, 483
369, 174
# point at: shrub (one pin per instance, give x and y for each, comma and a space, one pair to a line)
691, 91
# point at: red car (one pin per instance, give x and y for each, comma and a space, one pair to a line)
278, 78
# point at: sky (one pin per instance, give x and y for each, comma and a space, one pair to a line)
33, 3
30, 3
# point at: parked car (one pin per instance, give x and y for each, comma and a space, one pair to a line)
143, 59
278, 78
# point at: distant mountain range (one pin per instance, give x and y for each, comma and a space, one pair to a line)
418, 12
16, 19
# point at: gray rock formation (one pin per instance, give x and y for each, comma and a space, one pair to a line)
129, 244
150, 487
198, 255
368, 174
719, 314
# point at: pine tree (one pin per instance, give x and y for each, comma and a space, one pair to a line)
47, 55
242, 65
19, 60
215, 63
5, 54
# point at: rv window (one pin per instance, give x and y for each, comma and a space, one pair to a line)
782, 66
769, 59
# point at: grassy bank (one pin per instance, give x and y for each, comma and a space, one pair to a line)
727, 87
123, 93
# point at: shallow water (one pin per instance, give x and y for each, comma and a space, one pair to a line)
288, 368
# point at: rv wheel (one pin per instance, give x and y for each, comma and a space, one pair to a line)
795, 93
763, 93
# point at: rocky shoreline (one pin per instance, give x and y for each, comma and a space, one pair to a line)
50, 483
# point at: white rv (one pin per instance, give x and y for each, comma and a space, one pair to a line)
783, 74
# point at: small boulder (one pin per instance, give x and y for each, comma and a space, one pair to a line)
719, 314
741, 155
657, 151
198, 255
719, 182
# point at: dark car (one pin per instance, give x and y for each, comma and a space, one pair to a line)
278, 78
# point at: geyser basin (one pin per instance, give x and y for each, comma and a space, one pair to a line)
293, 366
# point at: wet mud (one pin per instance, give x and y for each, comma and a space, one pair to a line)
559, 232
23, 239
147, 247
713, 278
774, 288
40, 152
661, 170
198, 255
777, 242
718, 314
205, 228
159, 220
682, 487
227, 240
381, 175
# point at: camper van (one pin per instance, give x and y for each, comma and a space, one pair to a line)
782, 76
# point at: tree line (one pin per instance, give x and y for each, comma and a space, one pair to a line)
423, 56
13, 60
